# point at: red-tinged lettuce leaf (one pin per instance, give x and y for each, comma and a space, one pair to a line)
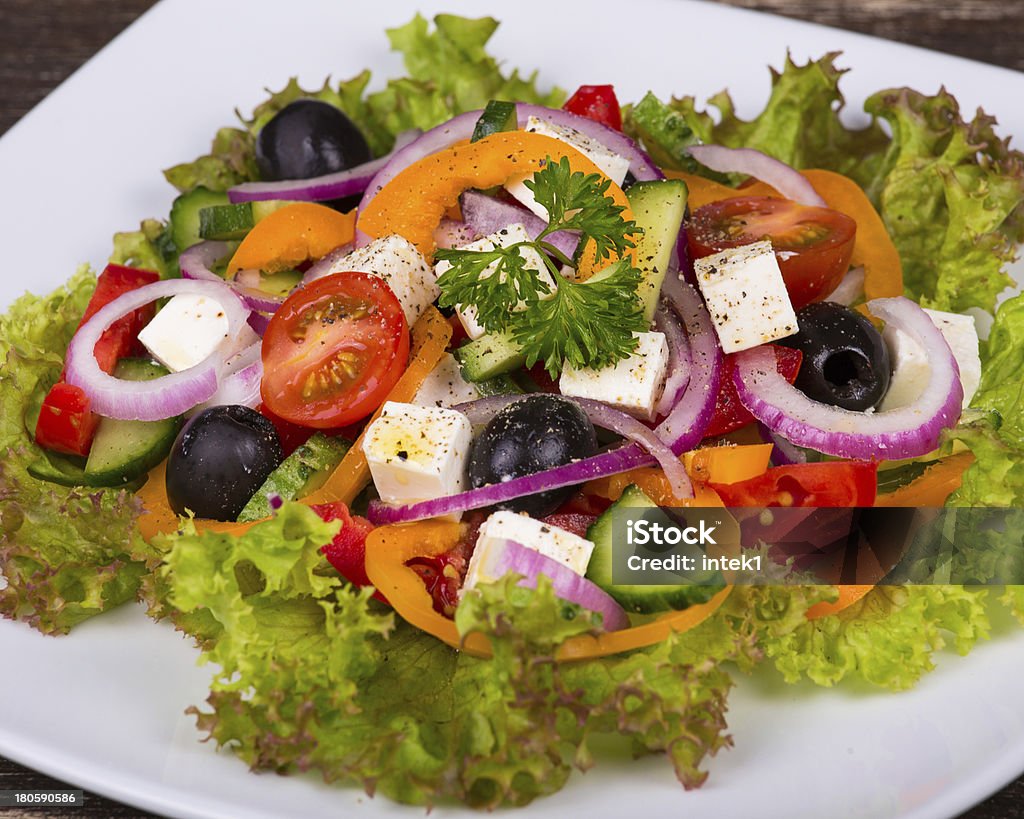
64, 551
314, 675
886, 639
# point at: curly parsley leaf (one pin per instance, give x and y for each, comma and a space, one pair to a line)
556, 320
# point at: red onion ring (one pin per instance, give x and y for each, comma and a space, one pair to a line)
162, 397
240, 381
350, 182
195, 264
488, 214
906, 432
784, 453
679, 361
787, 181
850, 289
514, 558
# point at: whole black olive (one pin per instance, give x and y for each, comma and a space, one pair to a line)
218, 461
846, 362
530, 436
309, 138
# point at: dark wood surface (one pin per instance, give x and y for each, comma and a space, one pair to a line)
41, 43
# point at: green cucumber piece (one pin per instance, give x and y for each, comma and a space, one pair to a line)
489, 356
123, 451
300, 473
223, 222
499, 385
640, 599
184, 219
66, 470
497, 116
658, 208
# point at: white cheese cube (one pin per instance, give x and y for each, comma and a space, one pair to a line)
505, 237
632, 384
188, 329
417, 453
445, 386
910, 363
746, 296
571, 550
402, 266
612, 165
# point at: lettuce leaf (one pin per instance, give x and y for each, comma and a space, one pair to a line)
449, 72
312, 674
65, 552
886, 639
950, 191
1013, 597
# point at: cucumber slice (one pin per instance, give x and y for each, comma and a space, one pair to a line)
636, 598
489, 356
125, 450
499, 385
300, 473
224, 222
184, 219
658, 207
497, 116
67, 470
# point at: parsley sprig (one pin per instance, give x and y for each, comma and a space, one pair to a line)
586, 324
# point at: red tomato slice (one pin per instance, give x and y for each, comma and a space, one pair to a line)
730, 413
596, 102
829, 484
813, 245
333, 351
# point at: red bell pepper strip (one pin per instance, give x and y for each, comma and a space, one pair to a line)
66, 423
596, 102
730, 414
826, 484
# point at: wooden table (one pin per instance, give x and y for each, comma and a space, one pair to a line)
42, 43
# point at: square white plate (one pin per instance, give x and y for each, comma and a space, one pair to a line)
103, 708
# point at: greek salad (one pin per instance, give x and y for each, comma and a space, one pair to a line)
358, 414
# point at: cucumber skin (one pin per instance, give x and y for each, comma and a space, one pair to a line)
496, 117
294, 474
636, 599
489, 356
185, 220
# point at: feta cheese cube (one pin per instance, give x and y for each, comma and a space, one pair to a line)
746, 296
402, 266
445, 386
910, 361
612, 165
188, 329
631, 384
505, 237
571, 550
417, 453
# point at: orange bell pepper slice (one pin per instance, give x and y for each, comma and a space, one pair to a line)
389, 548
873, 249
932, 488
292, 235
430, 335
414, 202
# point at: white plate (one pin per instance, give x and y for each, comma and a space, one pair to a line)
103, 707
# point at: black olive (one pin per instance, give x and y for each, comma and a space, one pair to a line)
218, 461
846, 362
309, 138
530, 436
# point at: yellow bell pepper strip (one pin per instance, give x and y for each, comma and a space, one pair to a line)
292, 235
389, 548
932, 488
719, 464
430, 335
873, 249
414, 202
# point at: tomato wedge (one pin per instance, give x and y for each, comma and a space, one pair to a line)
813, 245
333, 350
827, 484
730, 414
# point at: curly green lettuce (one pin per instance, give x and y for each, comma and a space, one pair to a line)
64, 551
312, 674
449, 72
950, 191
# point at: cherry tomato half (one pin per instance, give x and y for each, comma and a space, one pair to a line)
333, 351
813, 245
596, 102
